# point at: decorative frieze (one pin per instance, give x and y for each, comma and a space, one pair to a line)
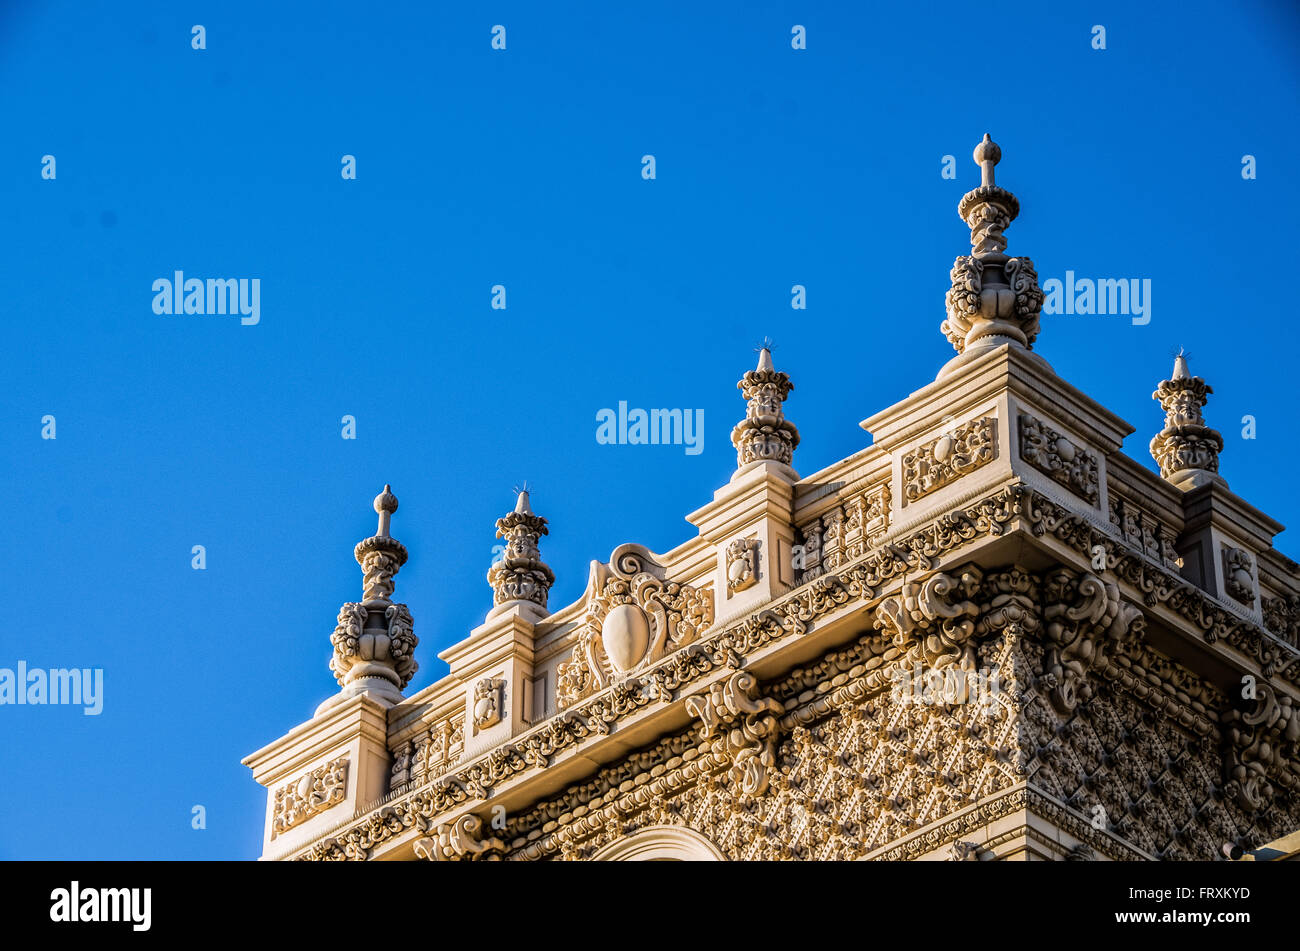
742, 564
1239, 575
946, 459
634, 619
843, 533
1082, 616
1144, 531
431, 753
311, 794
1066, 462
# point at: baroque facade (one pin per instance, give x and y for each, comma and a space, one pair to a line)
989, 635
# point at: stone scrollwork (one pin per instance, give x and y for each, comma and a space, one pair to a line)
742, 564
634, 618
743, 727
461, 840
313, 793
1261, 740
1282, 617
946, 459
1082, 615
934, 620
1067, 463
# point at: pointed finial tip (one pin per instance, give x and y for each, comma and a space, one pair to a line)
1181, 372
765, 359
987, 151
521, 504
385, 501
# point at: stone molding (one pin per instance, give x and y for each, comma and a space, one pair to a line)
791, 616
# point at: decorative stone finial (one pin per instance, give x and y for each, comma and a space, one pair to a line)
385, 505
764, 435
520, 575
987, 154
1186, 449
994, 299
374, 642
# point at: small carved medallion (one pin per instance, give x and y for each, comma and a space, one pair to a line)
742, 564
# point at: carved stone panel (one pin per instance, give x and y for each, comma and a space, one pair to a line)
946, 459
309, 795
1238, 578
1053, 454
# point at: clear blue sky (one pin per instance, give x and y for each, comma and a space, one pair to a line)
523, 168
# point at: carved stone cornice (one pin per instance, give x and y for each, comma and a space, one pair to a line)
791, 616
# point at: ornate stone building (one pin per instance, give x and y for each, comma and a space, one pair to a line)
990, 634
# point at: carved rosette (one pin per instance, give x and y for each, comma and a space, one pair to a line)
461, 840
1186, 444
948, 458
1082, 616
742, 726
313, 793
1067, 463
742, 564
634, 618
1261, 740
992, 295
1238, 575
765, 435
521, 575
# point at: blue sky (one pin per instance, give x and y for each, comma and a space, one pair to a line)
522, 167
